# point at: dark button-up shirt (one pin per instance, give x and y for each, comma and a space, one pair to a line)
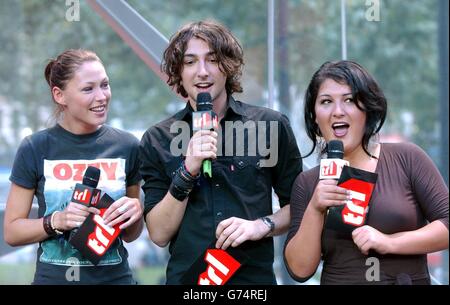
248, 165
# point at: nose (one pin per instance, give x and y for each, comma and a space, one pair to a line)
100, 94
338, 110
202, 69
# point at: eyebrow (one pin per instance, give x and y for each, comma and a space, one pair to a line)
196, 55
327, 95
103, 80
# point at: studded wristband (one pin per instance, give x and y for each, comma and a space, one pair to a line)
182, 183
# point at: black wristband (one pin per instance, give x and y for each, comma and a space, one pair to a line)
182, 183
177, 193
48, 225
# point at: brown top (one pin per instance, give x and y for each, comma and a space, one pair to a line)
409, 193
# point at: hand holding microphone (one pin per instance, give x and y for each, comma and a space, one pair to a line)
84, 196
357, 183
72, 217
327, 194
204, 123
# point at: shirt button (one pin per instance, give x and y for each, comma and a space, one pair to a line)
219, 214
217, 184
241, 163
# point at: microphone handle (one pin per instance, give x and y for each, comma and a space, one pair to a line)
207, 168
72, 233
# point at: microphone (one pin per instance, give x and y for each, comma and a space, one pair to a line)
87, 193
94, 238
359, 182
205, 119
331, 167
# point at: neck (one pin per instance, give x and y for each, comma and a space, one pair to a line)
220, 106
360, 159
78, 129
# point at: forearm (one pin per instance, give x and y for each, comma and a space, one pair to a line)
164, 220
282, 220
133, 232
431, 238
21, 232
303, 251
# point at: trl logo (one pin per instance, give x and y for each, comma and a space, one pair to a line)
221, 266
331, 168
85, 195
103, 236
205, 120
82, 196
355, 211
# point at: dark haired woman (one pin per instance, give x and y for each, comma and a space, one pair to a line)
408, 215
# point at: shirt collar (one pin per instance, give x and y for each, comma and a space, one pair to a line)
234, 106
184, 113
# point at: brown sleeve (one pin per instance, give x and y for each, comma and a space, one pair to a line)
301, 193
429, 186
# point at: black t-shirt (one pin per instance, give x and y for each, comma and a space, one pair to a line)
52, 161
241, 186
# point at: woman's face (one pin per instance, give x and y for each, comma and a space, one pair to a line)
338, 117
85, 98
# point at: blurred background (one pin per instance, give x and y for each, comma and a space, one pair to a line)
404, 44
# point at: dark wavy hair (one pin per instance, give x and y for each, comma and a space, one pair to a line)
227, 49
368, 96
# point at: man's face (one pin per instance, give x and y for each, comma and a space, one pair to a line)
201, 73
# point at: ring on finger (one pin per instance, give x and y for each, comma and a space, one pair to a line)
122, 209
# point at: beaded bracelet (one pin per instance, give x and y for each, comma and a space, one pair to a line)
53, 227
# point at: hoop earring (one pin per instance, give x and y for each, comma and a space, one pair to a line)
321, 145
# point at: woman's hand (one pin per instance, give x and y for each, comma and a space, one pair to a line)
327, 194
367, 237
125, 209
72, 216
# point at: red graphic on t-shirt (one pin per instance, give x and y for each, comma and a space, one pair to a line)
75, 171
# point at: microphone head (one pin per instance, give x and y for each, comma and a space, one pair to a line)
204, 101
335, 149
91, 176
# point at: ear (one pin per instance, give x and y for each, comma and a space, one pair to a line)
58, 96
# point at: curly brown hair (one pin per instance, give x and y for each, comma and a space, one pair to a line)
226, 47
